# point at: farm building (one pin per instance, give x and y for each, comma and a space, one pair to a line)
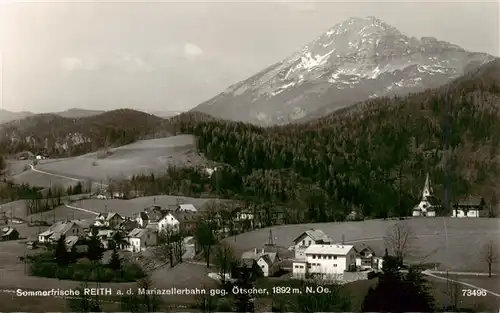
268, 262
186, 208
428, 203
326, 261
9, 233
127, 225
307, 238
111, 220
66, 228
471, 206
367, 258
76, 243
140, 238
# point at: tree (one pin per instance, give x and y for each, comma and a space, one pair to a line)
223, 260
61, 253
115, 262
493, 207
490, 255
164, 251
244, 302
453, 292
398, 240
84, 303
3, 167
117, 241
204, 235
411, 291
95, 247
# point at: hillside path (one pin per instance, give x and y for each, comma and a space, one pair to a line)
81, 209
32, 167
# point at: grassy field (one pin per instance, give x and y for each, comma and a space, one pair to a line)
455, 244
42, 180
140, 157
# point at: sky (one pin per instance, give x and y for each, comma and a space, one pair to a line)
175, 55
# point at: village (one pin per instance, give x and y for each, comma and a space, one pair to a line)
312, 254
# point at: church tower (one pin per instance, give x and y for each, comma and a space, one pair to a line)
427, 192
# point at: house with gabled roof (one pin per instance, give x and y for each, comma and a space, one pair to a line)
66, 228
142, 219
326, 261
141, 238
470, 206
307, 238
186, 208
367, 257
77, 244
9, 233
128, 224
268, 262
110, 219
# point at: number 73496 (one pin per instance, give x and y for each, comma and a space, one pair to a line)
473, 292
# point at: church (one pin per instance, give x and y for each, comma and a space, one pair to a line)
428, 204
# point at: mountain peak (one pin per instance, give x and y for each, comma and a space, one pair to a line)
356, 59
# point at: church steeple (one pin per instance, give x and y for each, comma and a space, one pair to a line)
427, 192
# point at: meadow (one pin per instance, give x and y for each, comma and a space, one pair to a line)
454, 244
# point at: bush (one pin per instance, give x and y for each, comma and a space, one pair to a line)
84, 270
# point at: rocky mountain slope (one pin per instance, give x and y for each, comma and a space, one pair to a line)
358, 59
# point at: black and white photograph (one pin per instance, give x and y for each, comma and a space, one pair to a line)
249, 156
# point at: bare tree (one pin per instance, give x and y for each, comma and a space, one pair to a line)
223, 260
453, 291
490, 255
165, 250
398, 240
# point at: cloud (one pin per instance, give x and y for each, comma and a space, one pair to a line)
130, 63
192, 50
76, 64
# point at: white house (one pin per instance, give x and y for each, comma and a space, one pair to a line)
58, 229
142, 219
326, 261
307, 238
168, 221
141, 238
269, 262
244, 215
469, 207
428, 203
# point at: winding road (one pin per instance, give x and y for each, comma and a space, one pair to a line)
430, 273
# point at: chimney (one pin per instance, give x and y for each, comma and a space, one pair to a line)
263, 251
256, 251
343, 239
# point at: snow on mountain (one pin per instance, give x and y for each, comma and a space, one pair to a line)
355, 60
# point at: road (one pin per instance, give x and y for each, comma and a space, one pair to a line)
81, 209
427, 273
63, 176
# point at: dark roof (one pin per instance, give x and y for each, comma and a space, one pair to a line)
185, 216
316, 234
471, 201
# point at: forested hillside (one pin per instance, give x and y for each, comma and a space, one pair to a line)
61, 136
373, 157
